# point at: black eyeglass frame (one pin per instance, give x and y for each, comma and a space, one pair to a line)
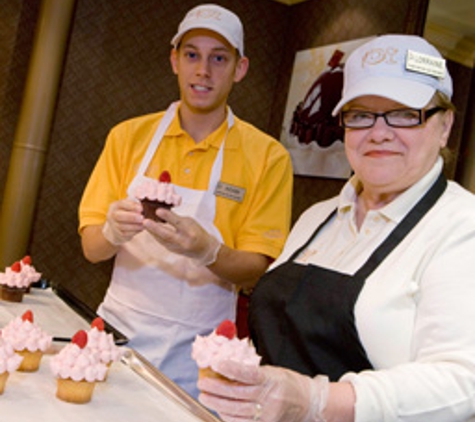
424, 115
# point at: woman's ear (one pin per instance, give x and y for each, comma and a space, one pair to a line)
447, 123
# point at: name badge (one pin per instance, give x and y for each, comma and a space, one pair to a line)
426, 64
234, 193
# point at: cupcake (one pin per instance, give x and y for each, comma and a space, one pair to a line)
154, 194
9, 362
29, 271
13, 283
222, 344
28, 340
77, 368
103, 343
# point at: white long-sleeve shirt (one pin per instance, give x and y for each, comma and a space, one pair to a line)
415, 314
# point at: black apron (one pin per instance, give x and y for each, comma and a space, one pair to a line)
301, 317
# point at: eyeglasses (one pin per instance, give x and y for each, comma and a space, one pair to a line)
406, 117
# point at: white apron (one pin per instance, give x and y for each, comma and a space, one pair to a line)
161, 300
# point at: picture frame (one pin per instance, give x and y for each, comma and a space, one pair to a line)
313, 137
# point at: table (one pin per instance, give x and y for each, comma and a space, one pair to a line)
134, 389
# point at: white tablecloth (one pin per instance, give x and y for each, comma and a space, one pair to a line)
125, 396
49, 312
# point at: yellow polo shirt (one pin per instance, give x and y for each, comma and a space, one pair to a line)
254, 162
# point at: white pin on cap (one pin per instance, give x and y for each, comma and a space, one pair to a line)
423, 63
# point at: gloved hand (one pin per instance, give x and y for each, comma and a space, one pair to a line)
209, 253
124, 221
265, 393
184, 236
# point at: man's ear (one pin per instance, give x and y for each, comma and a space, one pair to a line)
174, 60
241, 69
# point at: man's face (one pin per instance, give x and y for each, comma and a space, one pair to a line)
207, 67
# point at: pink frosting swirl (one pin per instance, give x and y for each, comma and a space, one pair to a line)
30, 273
14, 279
9, 360
78, 364
26, 335
207, 351
157, 191
103, 344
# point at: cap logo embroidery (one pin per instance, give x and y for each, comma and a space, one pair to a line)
425, 64
376, 56
206, 14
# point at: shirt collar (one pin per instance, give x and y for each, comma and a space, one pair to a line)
214, 139
397, 209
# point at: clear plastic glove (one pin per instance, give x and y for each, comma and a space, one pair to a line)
265, 393
184, 236
124, 221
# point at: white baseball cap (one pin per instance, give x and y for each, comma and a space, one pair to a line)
214, 18
403, 68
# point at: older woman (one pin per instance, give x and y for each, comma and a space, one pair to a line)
368, 316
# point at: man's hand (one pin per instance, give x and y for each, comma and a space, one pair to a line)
124, 221
184, 236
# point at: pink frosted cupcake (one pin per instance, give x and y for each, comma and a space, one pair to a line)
154, 194
29, 271
103, 343
28, 340
9, 362
222, 344
77, 369
13, 283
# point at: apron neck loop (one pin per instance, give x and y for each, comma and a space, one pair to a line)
160, 132
230, 118
217, 167
157, 137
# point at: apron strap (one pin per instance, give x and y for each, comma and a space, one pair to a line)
217, 169
399, 232
160, 132
314, 234
405, 226
157, 137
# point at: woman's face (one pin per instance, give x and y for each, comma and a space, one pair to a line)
389, 160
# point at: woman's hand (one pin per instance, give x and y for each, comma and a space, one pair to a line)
265, 393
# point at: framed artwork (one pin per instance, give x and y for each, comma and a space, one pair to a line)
311, 134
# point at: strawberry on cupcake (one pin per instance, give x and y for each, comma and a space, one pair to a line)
154, 194
222, 344
29, 270
77, 369
28, 340
103, 343
13, 283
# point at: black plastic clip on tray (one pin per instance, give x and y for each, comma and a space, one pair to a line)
82, 309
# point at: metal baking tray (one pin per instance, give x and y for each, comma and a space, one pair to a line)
137, 363
26, 390
147, 371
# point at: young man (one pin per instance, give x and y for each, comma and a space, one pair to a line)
176, 279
